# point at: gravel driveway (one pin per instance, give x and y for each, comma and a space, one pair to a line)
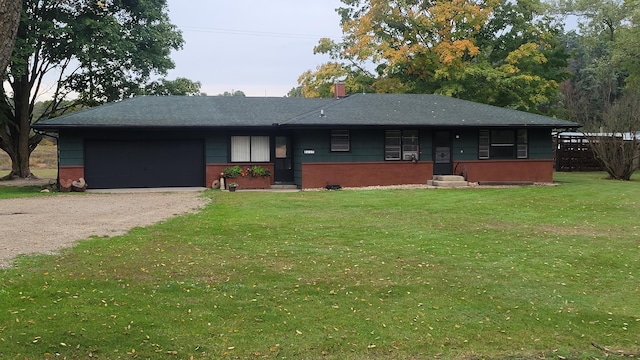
48, 223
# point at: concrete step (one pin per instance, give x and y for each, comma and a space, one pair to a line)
448, 181
448, 178
450, 184
284, 187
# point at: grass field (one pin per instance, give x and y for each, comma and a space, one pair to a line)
43, 161
502, 273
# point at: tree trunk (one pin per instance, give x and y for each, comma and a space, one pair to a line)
16, 138
9, 20
10, 11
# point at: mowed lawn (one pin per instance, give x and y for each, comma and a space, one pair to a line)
485, 273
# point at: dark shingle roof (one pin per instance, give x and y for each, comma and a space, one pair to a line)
422, 110
188, 111
354, 110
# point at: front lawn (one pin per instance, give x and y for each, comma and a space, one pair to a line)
8, 192
502, 273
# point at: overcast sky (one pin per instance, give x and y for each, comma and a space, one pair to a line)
256, 46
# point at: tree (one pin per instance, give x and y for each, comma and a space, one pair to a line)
102, 51
497, 52
9, 18
179, 86
295, 92
319, 84
616, 139
603, 93
605, 51
344, 68
233, 93
627, 44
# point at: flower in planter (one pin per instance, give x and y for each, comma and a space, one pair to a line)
250, 171
258, 171
232, 172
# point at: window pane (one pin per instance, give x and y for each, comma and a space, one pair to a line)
523, 151
483, 148
502, 137
240, 148
502, 152
393, 142
260, 149
410, 139
523, 138
281, 147
340, 140
410, 145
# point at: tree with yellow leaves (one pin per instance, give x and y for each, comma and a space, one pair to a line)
497, 52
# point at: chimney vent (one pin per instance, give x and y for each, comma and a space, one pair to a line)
340, 90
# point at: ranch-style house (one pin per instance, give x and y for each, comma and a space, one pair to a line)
356, 140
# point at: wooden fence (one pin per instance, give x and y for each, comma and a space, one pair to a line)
573, 153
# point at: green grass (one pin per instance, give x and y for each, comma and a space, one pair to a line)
503, 273
7, 192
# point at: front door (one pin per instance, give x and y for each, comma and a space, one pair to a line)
283, 173
442, 159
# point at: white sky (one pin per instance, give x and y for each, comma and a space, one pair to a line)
256, 46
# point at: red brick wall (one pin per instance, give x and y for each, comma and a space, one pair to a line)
251, 183
213, 173
348, 174
508, 170
318, 175
71, 172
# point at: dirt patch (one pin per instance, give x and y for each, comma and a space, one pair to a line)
46, 224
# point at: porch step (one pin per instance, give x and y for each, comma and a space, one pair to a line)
284, 187
448, 181
449, 178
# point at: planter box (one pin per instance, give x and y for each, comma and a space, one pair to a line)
251, 183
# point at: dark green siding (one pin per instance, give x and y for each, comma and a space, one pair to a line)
465, 145
367, 145
540, 144
217, 148
71, 149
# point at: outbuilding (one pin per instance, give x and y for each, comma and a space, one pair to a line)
357, 140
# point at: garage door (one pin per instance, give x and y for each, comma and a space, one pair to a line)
144, 164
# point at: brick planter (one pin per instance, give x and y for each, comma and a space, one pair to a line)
250, 183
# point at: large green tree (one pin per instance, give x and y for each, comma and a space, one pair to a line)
497, 52
180, 86
9, 19
99, 51
605, 50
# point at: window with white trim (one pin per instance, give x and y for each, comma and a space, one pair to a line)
503, 144
340, 140
401, 145
250, 149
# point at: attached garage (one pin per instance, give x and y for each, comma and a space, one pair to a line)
144, 163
